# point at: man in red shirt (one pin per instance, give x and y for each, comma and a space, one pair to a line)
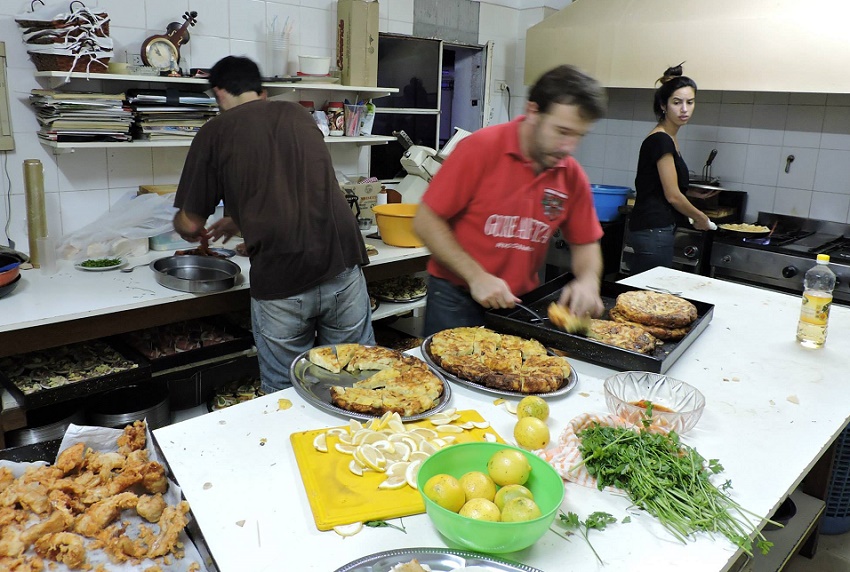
489, 212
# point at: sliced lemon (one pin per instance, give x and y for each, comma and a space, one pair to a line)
424, 432
355, 467
481, 424
384, 446
338, 431
498, 401
383, 421
344, 438
448, 439
418, 456
439, 420
511, 407
320, 443
490, 438
393, 483
395, 425
349, 529
354, 426
466, 425
397, 469
411, 472
449, 429
373, 458
374, 437
344, 448
428, 447
401, 452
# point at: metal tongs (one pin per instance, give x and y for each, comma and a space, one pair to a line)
537, 317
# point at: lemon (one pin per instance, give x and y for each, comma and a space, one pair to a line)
509, 492
343, 448
481, 509
393, 483
476, 484
508, 467
349, 529
445, 490
412, 471
520, 509
531, 433
371, 457
320, 443
355, 467
533, 406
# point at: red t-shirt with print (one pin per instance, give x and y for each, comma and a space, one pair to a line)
502, 213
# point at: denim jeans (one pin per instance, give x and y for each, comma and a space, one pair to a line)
334, 312
450, 306
653, 247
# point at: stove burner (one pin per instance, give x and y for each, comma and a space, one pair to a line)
763, 240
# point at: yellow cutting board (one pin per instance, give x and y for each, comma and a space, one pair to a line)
338, 496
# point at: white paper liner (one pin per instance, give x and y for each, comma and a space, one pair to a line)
103, 440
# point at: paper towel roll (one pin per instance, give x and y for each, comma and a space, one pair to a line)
36, 216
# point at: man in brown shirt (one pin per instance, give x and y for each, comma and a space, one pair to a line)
268, 162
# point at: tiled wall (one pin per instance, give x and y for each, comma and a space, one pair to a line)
754, 133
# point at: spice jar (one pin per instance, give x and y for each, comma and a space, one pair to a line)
336, 118
308, 105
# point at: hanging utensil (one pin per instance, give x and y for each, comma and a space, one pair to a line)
706, 170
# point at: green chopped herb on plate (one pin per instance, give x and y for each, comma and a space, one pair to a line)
100, 262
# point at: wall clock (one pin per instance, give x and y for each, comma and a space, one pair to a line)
162, 51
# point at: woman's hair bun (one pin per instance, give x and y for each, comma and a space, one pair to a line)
670, 73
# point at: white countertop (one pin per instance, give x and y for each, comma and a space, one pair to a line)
70, 293
772, 410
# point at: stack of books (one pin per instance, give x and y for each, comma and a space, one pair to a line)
81, 117
169, 114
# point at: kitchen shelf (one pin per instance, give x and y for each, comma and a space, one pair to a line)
388, 309
71, 147
57, 78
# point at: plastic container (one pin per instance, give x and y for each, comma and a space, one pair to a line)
817, 299
314, 65
395, 224
836, 516
336, 119
491, 537
353, 117
608, 199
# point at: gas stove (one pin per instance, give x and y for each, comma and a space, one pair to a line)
780, 260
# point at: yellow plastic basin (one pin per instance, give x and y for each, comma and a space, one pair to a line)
395, 223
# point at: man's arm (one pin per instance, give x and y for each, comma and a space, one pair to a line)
581, 295
488, 290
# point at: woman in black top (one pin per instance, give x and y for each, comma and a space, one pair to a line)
662, 176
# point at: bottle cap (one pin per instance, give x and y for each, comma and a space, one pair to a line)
823, 257
306, 103
335, 104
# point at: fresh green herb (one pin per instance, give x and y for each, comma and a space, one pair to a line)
384, 523
596, 521
669, 480
100, 262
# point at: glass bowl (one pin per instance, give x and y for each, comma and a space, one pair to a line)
677, 406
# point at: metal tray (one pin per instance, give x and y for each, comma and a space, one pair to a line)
313, 384
243, 340
438, 559
426, 353
515, 321
81, 388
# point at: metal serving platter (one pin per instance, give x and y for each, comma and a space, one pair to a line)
515, 321
438, 559
313, 383
426, 354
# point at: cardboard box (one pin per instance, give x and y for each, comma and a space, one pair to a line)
357, 42
367, 197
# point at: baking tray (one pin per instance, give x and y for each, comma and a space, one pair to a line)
80, 388
515, 321
243, 340
438, 559
426, 354
313, 383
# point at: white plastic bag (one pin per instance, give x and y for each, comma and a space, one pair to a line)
132, 217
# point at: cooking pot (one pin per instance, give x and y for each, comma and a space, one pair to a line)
9, 269
195, 274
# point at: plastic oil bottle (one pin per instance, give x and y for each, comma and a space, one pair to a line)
817, 299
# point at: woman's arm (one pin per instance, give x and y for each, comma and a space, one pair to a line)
670, 183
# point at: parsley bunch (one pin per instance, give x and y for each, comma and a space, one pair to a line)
669, 480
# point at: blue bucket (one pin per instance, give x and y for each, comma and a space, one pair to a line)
608, 199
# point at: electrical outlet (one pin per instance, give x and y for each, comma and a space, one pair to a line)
500, 85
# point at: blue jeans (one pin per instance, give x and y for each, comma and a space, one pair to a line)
450, 306
334, 312
653, 247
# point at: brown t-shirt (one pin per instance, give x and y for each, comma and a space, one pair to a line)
269, 163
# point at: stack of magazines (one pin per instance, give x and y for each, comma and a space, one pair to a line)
169, 113
81, 117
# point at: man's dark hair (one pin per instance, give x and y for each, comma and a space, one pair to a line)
566, 85
236, 75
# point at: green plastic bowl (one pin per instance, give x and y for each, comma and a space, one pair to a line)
483, 536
